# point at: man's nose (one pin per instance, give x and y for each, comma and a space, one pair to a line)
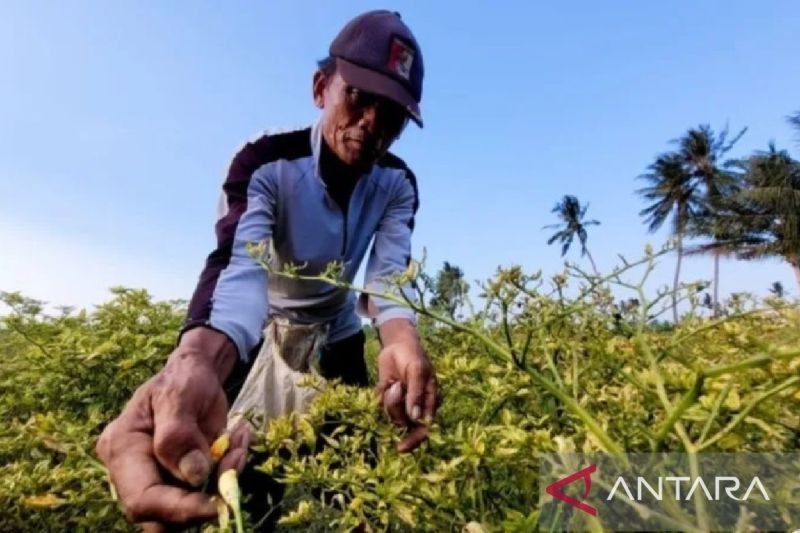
369, 118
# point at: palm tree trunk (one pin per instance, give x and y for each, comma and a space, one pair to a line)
677, 278
796, 268
591, 260
716, 283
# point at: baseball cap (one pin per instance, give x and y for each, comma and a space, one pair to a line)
377, 53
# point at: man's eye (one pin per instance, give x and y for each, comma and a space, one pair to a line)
354, 95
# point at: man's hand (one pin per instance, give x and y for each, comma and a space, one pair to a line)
406, 382
158, 447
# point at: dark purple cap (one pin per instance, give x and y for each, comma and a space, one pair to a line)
377, 53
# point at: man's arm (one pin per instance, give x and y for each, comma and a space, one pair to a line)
231, 294
171, 419
391, 254
406, 381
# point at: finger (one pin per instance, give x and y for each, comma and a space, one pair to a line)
417, 377
237, 453
184, 507
241, 435
141, 489
163, 527
382, 387
182, 449
413, 439
214, 418
394, 406
236, 459
387, 372
431, 398
182, 436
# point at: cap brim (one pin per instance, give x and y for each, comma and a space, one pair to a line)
374, 82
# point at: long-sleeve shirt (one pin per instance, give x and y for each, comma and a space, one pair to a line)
274, 194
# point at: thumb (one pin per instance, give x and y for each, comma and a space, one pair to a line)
392, 401
181, 448
180, 444
187, 414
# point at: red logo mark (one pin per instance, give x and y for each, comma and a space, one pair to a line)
554, 489
401, 58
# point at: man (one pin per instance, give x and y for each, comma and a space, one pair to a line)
316, 195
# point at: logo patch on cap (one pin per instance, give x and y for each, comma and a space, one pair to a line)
401, 57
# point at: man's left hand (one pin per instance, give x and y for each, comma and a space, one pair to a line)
407, 389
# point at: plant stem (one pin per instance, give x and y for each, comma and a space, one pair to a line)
752, 362
686, 402
715, 302
591, 424
723, 395
591, 260
677, 276
785, 384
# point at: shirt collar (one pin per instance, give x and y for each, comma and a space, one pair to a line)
316, 147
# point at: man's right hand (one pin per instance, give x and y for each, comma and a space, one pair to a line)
161, 439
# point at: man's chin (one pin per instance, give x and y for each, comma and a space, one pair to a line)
360, 161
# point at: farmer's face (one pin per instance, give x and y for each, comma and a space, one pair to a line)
359, 127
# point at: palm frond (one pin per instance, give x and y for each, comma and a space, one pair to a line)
571, 213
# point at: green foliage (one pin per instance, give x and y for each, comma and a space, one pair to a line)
770, 207
747, 208
693, 186
542, 365
62, 378
573, 223
449, 289
539, 371
671, 191
794, 120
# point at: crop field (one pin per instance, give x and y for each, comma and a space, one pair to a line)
544, 364
201, 204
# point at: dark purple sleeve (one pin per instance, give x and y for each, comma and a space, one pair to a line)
252, 156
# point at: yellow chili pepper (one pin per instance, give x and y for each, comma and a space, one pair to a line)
220, 447
224, 515
229, 490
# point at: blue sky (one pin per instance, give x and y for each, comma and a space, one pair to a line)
118, 120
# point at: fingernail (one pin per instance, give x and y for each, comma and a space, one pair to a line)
416, 412
194, 467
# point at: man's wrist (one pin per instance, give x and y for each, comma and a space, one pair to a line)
399, 330
208, 347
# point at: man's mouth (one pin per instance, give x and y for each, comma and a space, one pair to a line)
365, 144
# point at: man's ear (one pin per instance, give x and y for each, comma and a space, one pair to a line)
318, 84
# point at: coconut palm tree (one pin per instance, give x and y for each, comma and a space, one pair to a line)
763, 219
770, 204
449, 289
702, 152
672, 194
794, 120
572, 224
776, 289
712, 221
